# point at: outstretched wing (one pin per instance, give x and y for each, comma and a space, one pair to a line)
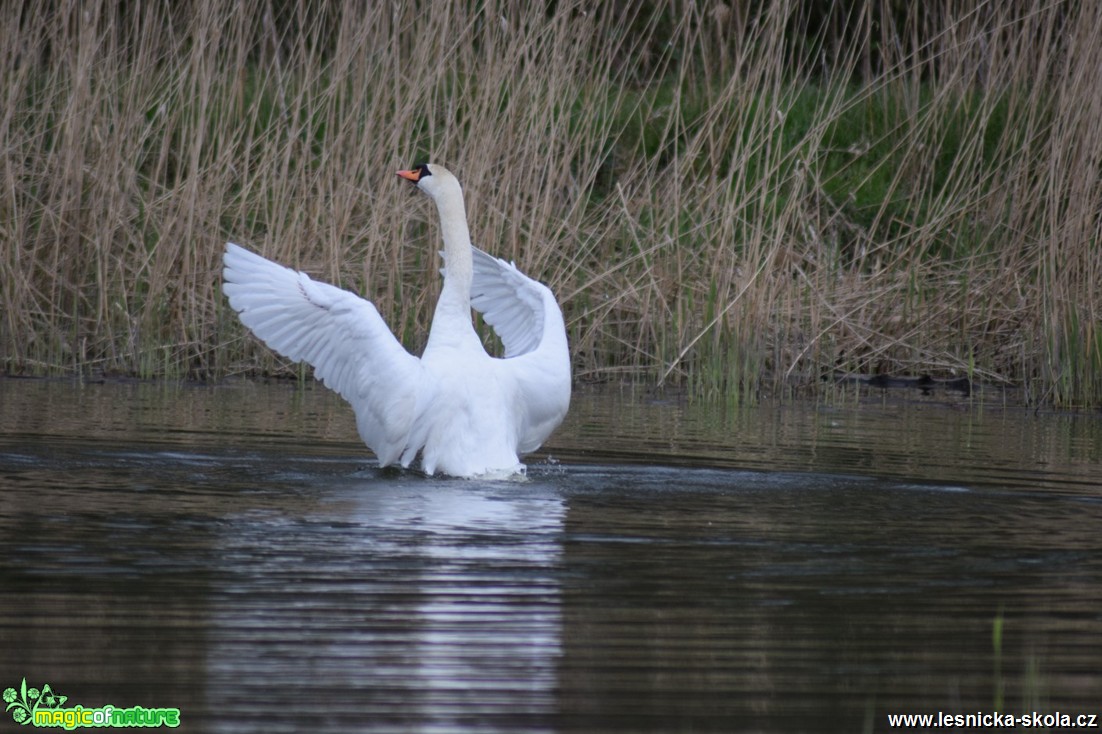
516, 306
340, 334
525, 315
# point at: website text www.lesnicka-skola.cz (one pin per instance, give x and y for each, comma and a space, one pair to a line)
995, 720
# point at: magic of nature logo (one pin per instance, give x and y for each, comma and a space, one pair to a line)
45, 707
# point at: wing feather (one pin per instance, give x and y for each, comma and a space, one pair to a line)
513, 304
340, 334
525, 315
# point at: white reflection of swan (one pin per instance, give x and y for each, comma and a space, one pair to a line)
419, 603
489, 619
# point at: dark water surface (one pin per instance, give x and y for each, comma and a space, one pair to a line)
231, 551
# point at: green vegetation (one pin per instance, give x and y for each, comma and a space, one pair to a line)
738, 201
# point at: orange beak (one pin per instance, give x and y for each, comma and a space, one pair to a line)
414, 175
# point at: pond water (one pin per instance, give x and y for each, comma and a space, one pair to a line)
232, 552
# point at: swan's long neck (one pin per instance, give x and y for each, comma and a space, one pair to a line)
451, 324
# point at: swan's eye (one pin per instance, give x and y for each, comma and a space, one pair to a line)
423, 169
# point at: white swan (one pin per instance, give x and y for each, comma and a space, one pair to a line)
467, 413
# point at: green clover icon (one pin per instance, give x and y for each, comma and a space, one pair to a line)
9, 695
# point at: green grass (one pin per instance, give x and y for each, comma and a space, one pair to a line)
741, 205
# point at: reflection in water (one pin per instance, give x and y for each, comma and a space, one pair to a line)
228, 551
288, 593
429, 601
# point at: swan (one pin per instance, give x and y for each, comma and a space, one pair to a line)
465, 413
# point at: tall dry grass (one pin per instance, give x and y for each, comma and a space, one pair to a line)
723, 199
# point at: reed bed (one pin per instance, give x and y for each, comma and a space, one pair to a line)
738, 202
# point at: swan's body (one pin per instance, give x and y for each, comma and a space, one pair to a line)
466, 413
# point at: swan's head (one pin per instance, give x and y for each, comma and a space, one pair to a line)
432, 179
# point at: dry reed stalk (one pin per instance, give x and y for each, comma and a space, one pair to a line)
674, 171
